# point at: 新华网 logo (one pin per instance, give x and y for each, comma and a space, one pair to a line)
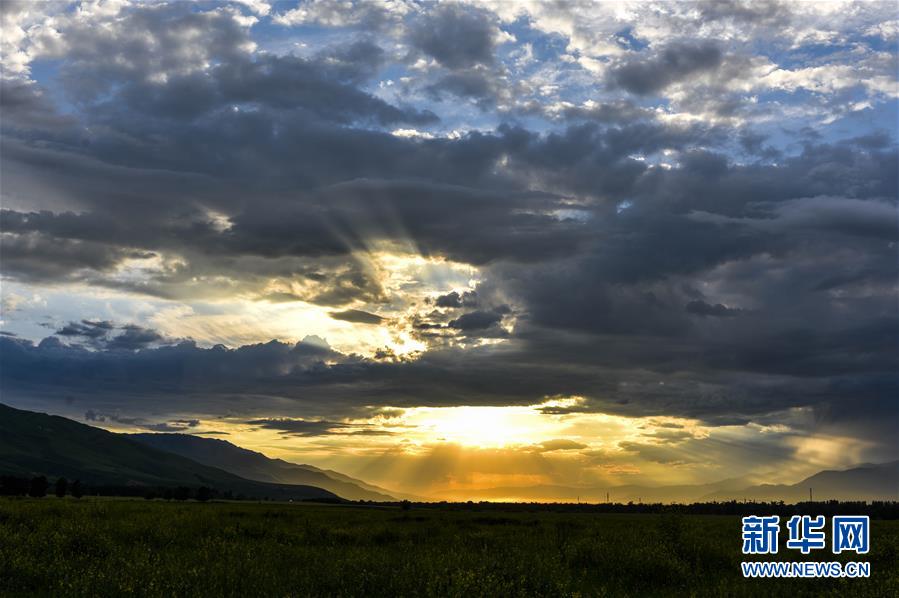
848, 533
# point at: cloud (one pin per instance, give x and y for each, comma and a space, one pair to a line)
456, 36
454, 299
102, 335
476, 320
338, 13
685, 212
357, 316
560, 444
297, 427
86, 328
175, 425
311, 428
480, 86
134, 337
657, 453
675, 63
701, 308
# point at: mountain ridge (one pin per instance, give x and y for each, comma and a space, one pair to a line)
868, 481
257, 466
878, 481
33, 443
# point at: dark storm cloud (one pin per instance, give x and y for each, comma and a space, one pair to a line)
627, 270
353, 63
294, 380
290, 83
322, 90
463, 223
357, 315
455, 299
176, 425
456, 36
701, 308
306, 428
86, 328
466, 224
676, 62
297, 427
507, 221
42, 258
133, 338
179, 425
479, 86
476, 320
25, 105
106, 335
693, 218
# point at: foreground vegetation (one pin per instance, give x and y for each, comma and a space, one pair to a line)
103, 547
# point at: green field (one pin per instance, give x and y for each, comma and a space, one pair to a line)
96, 547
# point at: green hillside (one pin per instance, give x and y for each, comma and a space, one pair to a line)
39, 444
256, 466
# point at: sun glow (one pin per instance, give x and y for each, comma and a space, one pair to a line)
528, 427
398, 289
484, 427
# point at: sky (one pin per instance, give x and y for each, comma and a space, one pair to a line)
460, 245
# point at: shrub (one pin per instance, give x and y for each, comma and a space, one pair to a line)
38, 487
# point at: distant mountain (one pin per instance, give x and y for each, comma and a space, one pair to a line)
336, 475
594, 494
865, 482
256, 466
40, 444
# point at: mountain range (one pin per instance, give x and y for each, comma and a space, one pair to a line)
39, 444
256, 466
864, 482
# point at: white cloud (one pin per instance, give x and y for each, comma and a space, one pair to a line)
411, 133
260, 7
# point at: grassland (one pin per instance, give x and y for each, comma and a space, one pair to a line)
68, 547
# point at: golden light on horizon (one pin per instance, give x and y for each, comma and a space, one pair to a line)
531, 427
448, 452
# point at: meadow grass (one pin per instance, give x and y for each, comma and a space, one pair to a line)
92, 547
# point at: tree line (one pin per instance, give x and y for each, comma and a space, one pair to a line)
40, 486
878, 509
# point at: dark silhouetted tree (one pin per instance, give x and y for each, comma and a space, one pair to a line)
77, 490
181, 493
405, 505
204, 493
13, 486
62, 485
38, 487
